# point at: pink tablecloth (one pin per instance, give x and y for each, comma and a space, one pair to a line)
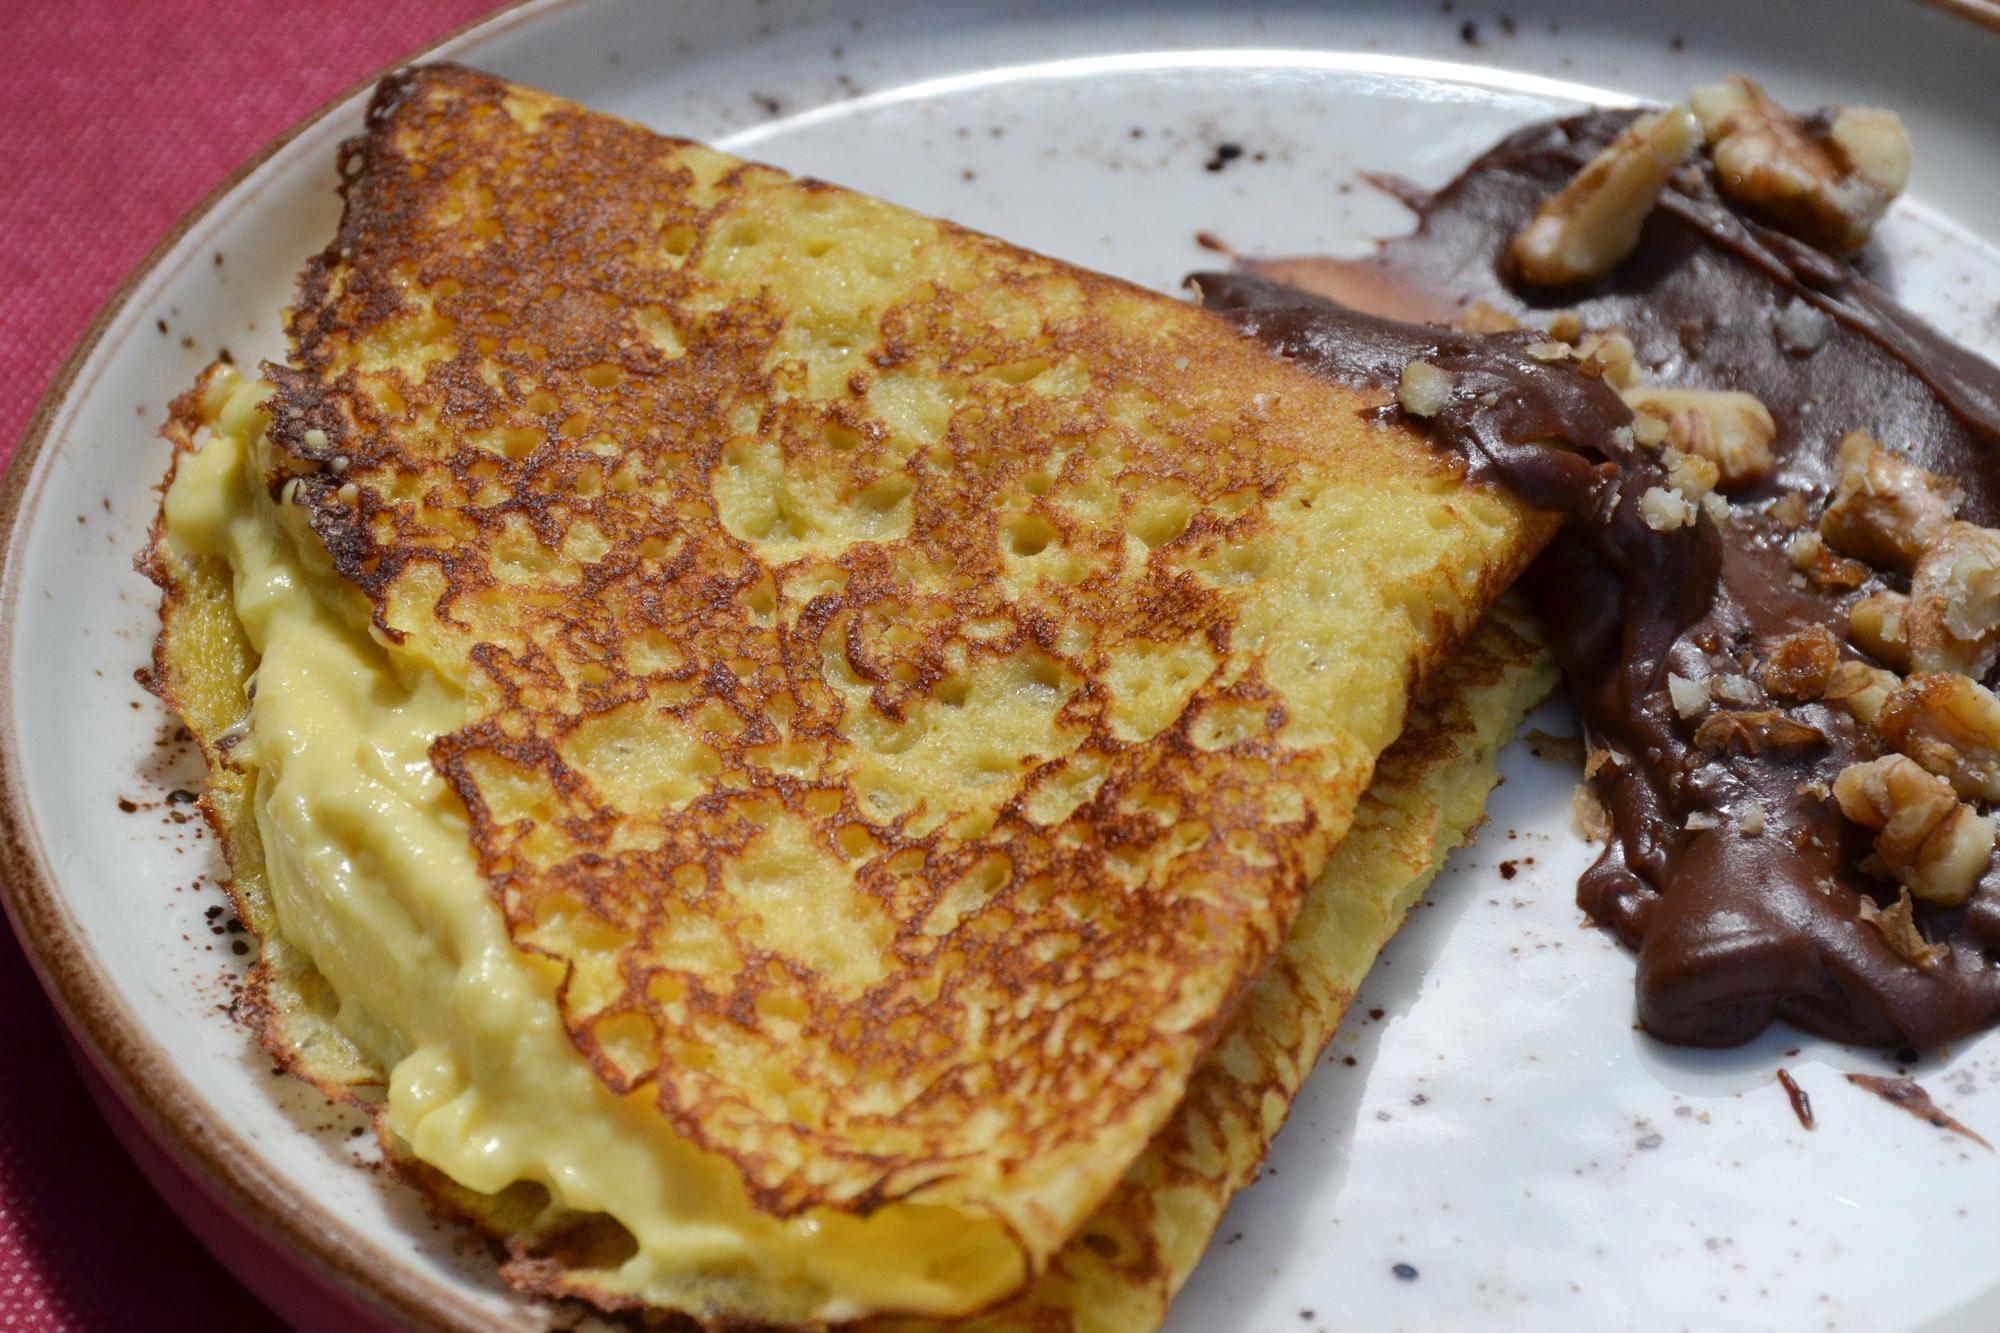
115, 118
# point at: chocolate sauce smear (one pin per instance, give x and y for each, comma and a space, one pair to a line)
1734, 924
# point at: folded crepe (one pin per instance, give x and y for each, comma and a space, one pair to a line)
770, 737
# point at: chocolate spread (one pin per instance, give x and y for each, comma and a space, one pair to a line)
1735, 923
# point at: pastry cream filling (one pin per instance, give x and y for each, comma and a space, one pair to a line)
374, 879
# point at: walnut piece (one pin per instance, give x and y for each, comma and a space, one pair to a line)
1802, 327
1789, 510
1734, 690
1885, 510
1951, 725
1691, 475
1480, 317
1802, 663
1593, 821
1898, 924
1953, 622
1584, 230
1753, 731
1878, 625
1926, 839
1424, 389
1566, 325
1665, 510
1610, 356
1826, 179
1861, 690
1731, 430
1690, 697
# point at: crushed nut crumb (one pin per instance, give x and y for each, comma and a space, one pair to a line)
1424, 390
1610, 355
1665, 510
1754, 731
1480, 317
1789, 510
1692, 476
1803, 327
1690, 697
1593, 821
1898, 925
1737, 691
1802, 664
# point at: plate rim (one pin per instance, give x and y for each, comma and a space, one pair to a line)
139, 1072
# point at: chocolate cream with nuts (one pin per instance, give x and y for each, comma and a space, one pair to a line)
1776, 598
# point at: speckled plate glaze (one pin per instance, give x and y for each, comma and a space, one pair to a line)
1490, 1143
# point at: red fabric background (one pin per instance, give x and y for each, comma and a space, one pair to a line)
116, 118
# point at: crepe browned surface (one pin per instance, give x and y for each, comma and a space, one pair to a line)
1129, 1259
910, 682
1122, 1269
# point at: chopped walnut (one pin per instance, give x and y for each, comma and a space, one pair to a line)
1610, 356
1566, 325
1878, 625
1837, 573
1826, 179
1754, 731
1951, 725
1898, 924
1788, 510
1424, 390
1648, 429
1885, 510
1730, 429
1584, 230
1802, 663
1926, 839
1689, 697
1691, 475
1736, 691
1752, 821
1861, 690
1480, 317
1803, 327
1953, 622
1665, 510
1593, 821
1597, 759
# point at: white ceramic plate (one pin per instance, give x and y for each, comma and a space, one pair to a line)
1488, 1119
